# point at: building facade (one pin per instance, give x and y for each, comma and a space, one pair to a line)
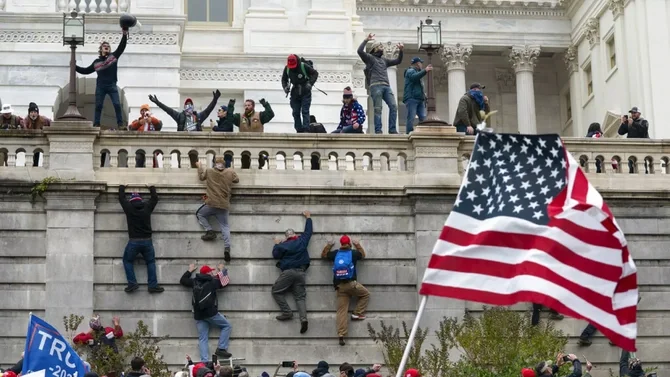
548, 65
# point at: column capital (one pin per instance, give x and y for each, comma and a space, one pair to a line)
592, 31
571, 59
616, 6
456, 56
391, 50
524, 58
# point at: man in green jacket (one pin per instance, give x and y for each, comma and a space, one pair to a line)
252, 120
470, 107
414, 96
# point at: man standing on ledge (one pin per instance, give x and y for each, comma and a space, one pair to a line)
302, 76
106, 66
472, 108
138, 216
252, 120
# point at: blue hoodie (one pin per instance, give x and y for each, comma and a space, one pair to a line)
293, 253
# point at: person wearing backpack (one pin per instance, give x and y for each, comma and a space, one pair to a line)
205, 304
344, 278
298, 78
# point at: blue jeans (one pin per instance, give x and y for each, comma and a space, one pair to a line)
379, 93
146, 248
414, 107
203, 334
100, 93
349, 130
300, 106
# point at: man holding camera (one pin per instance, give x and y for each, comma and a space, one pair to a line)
146, 121
634, 125
547, 368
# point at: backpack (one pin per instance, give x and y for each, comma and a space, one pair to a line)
303, 61
203, 298
343, 268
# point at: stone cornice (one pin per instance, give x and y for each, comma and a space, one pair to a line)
464, 8
256, 75
455, 56
93, 38
524, 58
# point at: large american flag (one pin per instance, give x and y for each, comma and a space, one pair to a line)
528, 227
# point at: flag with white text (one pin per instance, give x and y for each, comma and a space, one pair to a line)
47, 350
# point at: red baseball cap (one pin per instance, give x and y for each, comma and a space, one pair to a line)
412, 373
292, 61
205, 270
527, 372
345, 240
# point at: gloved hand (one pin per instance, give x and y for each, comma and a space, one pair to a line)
262, 101
153, 98
232, 101
286, 89
217, 94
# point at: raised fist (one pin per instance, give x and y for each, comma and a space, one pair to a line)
217, 93
232, 101
262, 101
153, 98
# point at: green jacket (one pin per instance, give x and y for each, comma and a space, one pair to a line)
467, 113
413, 85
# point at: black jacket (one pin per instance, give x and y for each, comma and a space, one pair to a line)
639, 129
212, 284
180, 116
302, 85
226, 123
106, 66
138, 213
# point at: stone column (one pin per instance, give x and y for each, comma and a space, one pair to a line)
592, 34
71, 150
391, 51
617, 6
572, 65
455, 58
523, 59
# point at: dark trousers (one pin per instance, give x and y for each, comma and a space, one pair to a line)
294, 280
101, 91
146, 248
535, 318
300, 106
588, 332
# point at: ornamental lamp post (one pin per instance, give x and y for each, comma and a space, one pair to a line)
429, 36
73, 35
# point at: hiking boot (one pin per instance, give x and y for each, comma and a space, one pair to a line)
156, 289
209, 236
303, 327
284, 317
342, 341
132, 288
556, 316
584, 342
357, 317
226, 254
224, 354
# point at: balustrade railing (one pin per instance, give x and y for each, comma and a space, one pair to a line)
93, 6
23, 148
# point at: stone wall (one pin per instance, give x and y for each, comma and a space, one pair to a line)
62, 254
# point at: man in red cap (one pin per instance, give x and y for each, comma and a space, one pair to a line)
300, 74
412, 373
344, 271
206, 307
188, 119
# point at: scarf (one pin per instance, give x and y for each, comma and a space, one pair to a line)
478, 97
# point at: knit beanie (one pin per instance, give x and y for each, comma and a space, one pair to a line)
347, 93
135, 196
94, 323
33, 107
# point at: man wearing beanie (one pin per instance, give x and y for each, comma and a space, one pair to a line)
219, 181
205, 304
377, 79
352, 115
225, 122
188, 119
99, 336
146, 121
35, 121
301, 76
138, 216
346, 286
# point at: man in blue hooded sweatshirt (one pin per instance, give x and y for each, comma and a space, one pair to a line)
293, 263
468, 113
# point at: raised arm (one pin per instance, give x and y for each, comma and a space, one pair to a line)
326, 249
153, 200
208, 110
359, 248
365, 57
267, 114
396, 61
85, 71
202, 171
122, 198
186, 280
413, 75
122, 46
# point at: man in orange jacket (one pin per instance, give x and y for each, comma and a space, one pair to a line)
146, 121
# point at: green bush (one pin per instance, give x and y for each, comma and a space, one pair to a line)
138, 343
498, 343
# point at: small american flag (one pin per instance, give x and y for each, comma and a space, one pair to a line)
223, 277
528, 227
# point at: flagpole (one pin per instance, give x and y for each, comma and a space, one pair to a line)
412, 335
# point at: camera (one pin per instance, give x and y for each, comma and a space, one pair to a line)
287, 364
566, 358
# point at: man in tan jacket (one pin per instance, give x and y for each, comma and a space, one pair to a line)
219, 182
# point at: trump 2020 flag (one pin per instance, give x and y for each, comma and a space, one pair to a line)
47, 350
527, 226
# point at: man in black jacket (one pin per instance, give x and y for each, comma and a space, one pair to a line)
188, 119
106, 66
138, 216
206, 307
302, 76
225, 115
635, 127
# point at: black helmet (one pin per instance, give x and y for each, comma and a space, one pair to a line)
127, 21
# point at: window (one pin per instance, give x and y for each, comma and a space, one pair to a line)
568, 106
209, 10
589, 80
611, 52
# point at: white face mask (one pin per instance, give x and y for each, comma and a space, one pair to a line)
34, 116
188, 107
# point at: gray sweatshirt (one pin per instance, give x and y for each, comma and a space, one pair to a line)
377, 66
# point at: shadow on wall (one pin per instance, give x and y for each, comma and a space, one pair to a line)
86, 102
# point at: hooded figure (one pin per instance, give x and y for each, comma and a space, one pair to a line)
299, 77
35, 121
225, 122
138, 216
188, 119
321, 369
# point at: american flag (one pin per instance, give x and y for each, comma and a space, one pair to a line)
223, 277
527, 226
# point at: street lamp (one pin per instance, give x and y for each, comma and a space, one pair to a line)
429, 36
73, 35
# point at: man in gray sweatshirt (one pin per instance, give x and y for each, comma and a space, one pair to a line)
377, 79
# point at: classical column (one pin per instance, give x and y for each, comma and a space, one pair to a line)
455, 58
617, 7
592, 34
523, 59
391, 51
572, 66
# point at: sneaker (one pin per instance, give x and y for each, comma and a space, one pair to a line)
378, 132
209, 236
357, 317
303, 327
342, 341
393, 132
224, 354
556, 316
156, 289
226, 254
584, 342
132, 288
284, 317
